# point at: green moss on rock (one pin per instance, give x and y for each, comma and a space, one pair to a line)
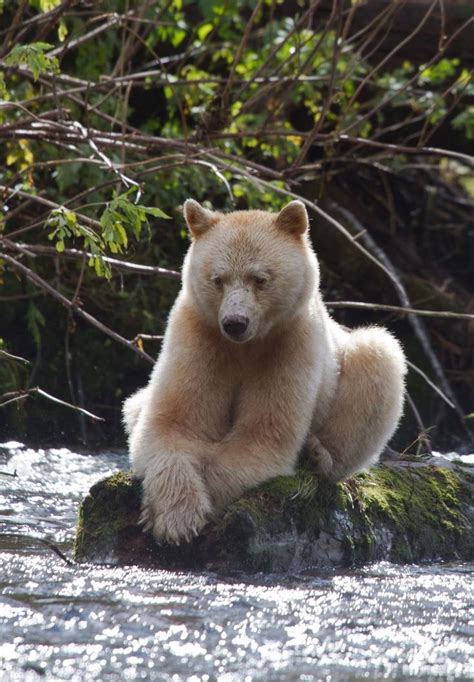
419, 505
108, 514
408, 511
427, 494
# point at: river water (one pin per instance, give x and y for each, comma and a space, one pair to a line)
76, 622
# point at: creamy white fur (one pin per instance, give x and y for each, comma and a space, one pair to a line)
219, 417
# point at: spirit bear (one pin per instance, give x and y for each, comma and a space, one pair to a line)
252, 368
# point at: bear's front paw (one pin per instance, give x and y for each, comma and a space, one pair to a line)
319, 456
176, 504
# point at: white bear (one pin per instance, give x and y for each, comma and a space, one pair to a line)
252, 368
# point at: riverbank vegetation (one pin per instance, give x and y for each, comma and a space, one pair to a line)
113, 113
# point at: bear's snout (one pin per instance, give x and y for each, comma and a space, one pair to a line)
235, 326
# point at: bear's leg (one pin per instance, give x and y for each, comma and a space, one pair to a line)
176, 503
367, 405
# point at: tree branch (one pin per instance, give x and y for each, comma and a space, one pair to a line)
400, 310
78, 254
16, 396
42, 284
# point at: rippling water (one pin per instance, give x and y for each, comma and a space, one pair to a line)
97, 623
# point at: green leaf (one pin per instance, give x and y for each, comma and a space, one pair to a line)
204, 30
122, 215
177, 36
121, 233
156, 212
34, 58
62, 31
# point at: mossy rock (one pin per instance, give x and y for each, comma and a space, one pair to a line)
406, 511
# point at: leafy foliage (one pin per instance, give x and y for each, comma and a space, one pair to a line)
119, 217
34, 57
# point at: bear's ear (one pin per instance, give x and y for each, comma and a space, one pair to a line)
293, 218
198, 218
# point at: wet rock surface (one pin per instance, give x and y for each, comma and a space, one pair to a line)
403, 511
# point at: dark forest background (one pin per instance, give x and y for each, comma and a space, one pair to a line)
113, 113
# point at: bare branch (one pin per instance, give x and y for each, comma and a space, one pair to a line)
78, 254
42, 541
16, 396
400, 310
16, 358
8, 473
147, 337
46, 202
430, 383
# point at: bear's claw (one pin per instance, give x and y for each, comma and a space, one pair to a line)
175, 518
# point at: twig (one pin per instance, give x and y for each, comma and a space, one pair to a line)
390, 55
238, 54
328, 100
42, 541
276, 48
433, 386
67, 352
17, 358
78, 254
394, 148
46, 202
71, 44
218, 173
147, 337
57, 551
14, 25
423, 438
84, 133
15, 396
400, 310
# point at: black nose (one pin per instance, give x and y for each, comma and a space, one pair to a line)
235, 325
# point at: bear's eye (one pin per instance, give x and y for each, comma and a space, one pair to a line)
217, 281
259, 280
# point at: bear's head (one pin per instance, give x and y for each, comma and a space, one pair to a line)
248, 272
